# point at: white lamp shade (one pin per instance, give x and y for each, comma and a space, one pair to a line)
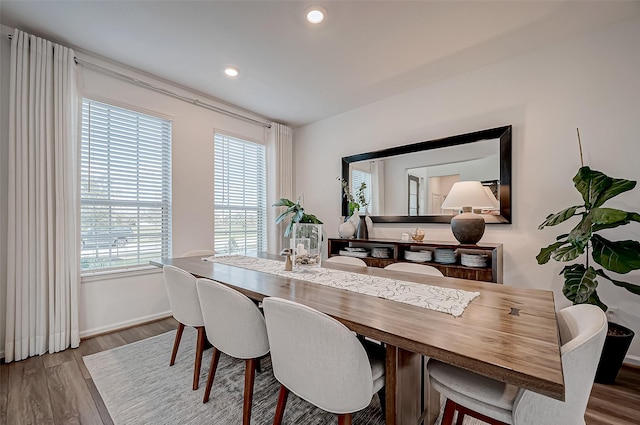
467, 194
494, 201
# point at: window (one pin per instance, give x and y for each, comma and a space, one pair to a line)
357, 178
240, 196
125, 187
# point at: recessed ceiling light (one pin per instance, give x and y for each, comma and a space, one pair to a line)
231, 71
315, 14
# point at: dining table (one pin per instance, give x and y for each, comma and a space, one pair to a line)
507, 333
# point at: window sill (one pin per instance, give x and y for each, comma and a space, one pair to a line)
96, 276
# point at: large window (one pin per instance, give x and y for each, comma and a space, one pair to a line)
240, 196
125, 187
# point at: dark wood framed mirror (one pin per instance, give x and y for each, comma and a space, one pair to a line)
433, 166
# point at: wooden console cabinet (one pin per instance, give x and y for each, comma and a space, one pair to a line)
491, 273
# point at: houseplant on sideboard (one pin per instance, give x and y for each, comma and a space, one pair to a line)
585, 241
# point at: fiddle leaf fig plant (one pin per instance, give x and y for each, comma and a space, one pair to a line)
296, 212
581, 280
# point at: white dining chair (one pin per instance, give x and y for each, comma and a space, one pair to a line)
582, 332
414, 268
185, 307
199, 253
343, 259
321, 361
235, 326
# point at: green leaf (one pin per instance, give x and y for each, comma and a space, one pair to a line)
620, 257
580, 235
633, 216
607, 215
310, 218
567, 253
544, 255
591, 184
633, 288
579, 283
564, 215
289, 229
617, 187
608, 218
596, 187
595, 300
283, 202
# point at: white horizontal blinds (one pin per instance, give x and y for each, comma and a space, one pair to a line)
240, 196
357, 178
125, 187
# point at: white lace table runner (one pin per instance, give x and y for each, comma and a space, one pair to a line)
446, 300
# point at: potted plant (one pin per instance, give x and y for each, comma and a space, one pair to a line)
585, 241
296, 213
356, 200
305, 232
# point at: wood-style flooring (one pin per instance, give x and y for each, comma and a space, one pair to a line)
56, 389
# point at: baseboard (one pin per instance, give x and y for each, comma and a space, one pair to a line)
123, 325
632, 360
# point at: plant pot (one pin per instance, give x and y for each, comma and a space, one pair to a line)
615, 349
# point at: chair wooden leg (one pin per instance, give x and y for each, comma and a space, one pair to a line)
176, 343
345, 419
199, 351
449, 410
249, 378
282, 402
258, 366
464, 411
212, 373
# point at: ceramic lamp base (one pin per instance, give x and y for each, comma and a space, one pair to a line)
468, 228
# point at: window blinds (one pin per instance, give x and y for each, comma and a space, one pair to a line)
125, 187
357, 178
240, 196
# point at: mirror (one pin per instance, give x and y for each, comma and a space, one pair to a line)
407, 184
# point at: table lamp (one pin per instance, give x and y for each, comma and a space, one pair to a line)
467, 227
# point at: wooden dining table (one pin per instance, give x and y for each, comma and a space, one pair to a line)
507, 333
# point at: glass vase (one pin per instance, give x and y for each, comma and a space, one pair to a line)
306, 246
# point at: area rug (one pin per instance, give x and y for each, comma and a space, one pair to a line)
139, 388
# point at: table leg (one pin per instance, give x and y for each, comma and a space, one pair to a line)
431, 401
403, 382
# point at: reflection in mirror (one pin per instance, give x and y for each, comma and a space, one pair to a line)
410, 183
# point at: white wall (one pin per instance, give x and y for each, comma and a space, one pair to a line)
590, 82
117, 300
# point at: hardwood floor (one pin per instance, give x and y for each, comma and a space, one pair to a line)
57, 389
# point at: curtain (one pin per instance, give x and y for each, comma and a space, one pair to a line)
377, 188
43, 205
280, 165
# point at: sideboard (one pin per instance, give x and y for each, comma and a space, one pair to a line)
492, 272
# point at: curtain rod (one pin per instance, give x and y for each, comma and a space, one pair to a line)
192, 101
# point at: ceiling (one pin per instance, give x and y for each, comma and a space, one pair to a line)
293, 72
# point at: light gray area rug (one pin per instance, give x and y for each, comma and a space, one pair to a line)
139, 388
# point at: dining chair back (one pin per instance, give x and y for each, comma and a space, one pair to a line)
236, 327
320, 360
342, 259
583, 329
414, 268
185, 307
